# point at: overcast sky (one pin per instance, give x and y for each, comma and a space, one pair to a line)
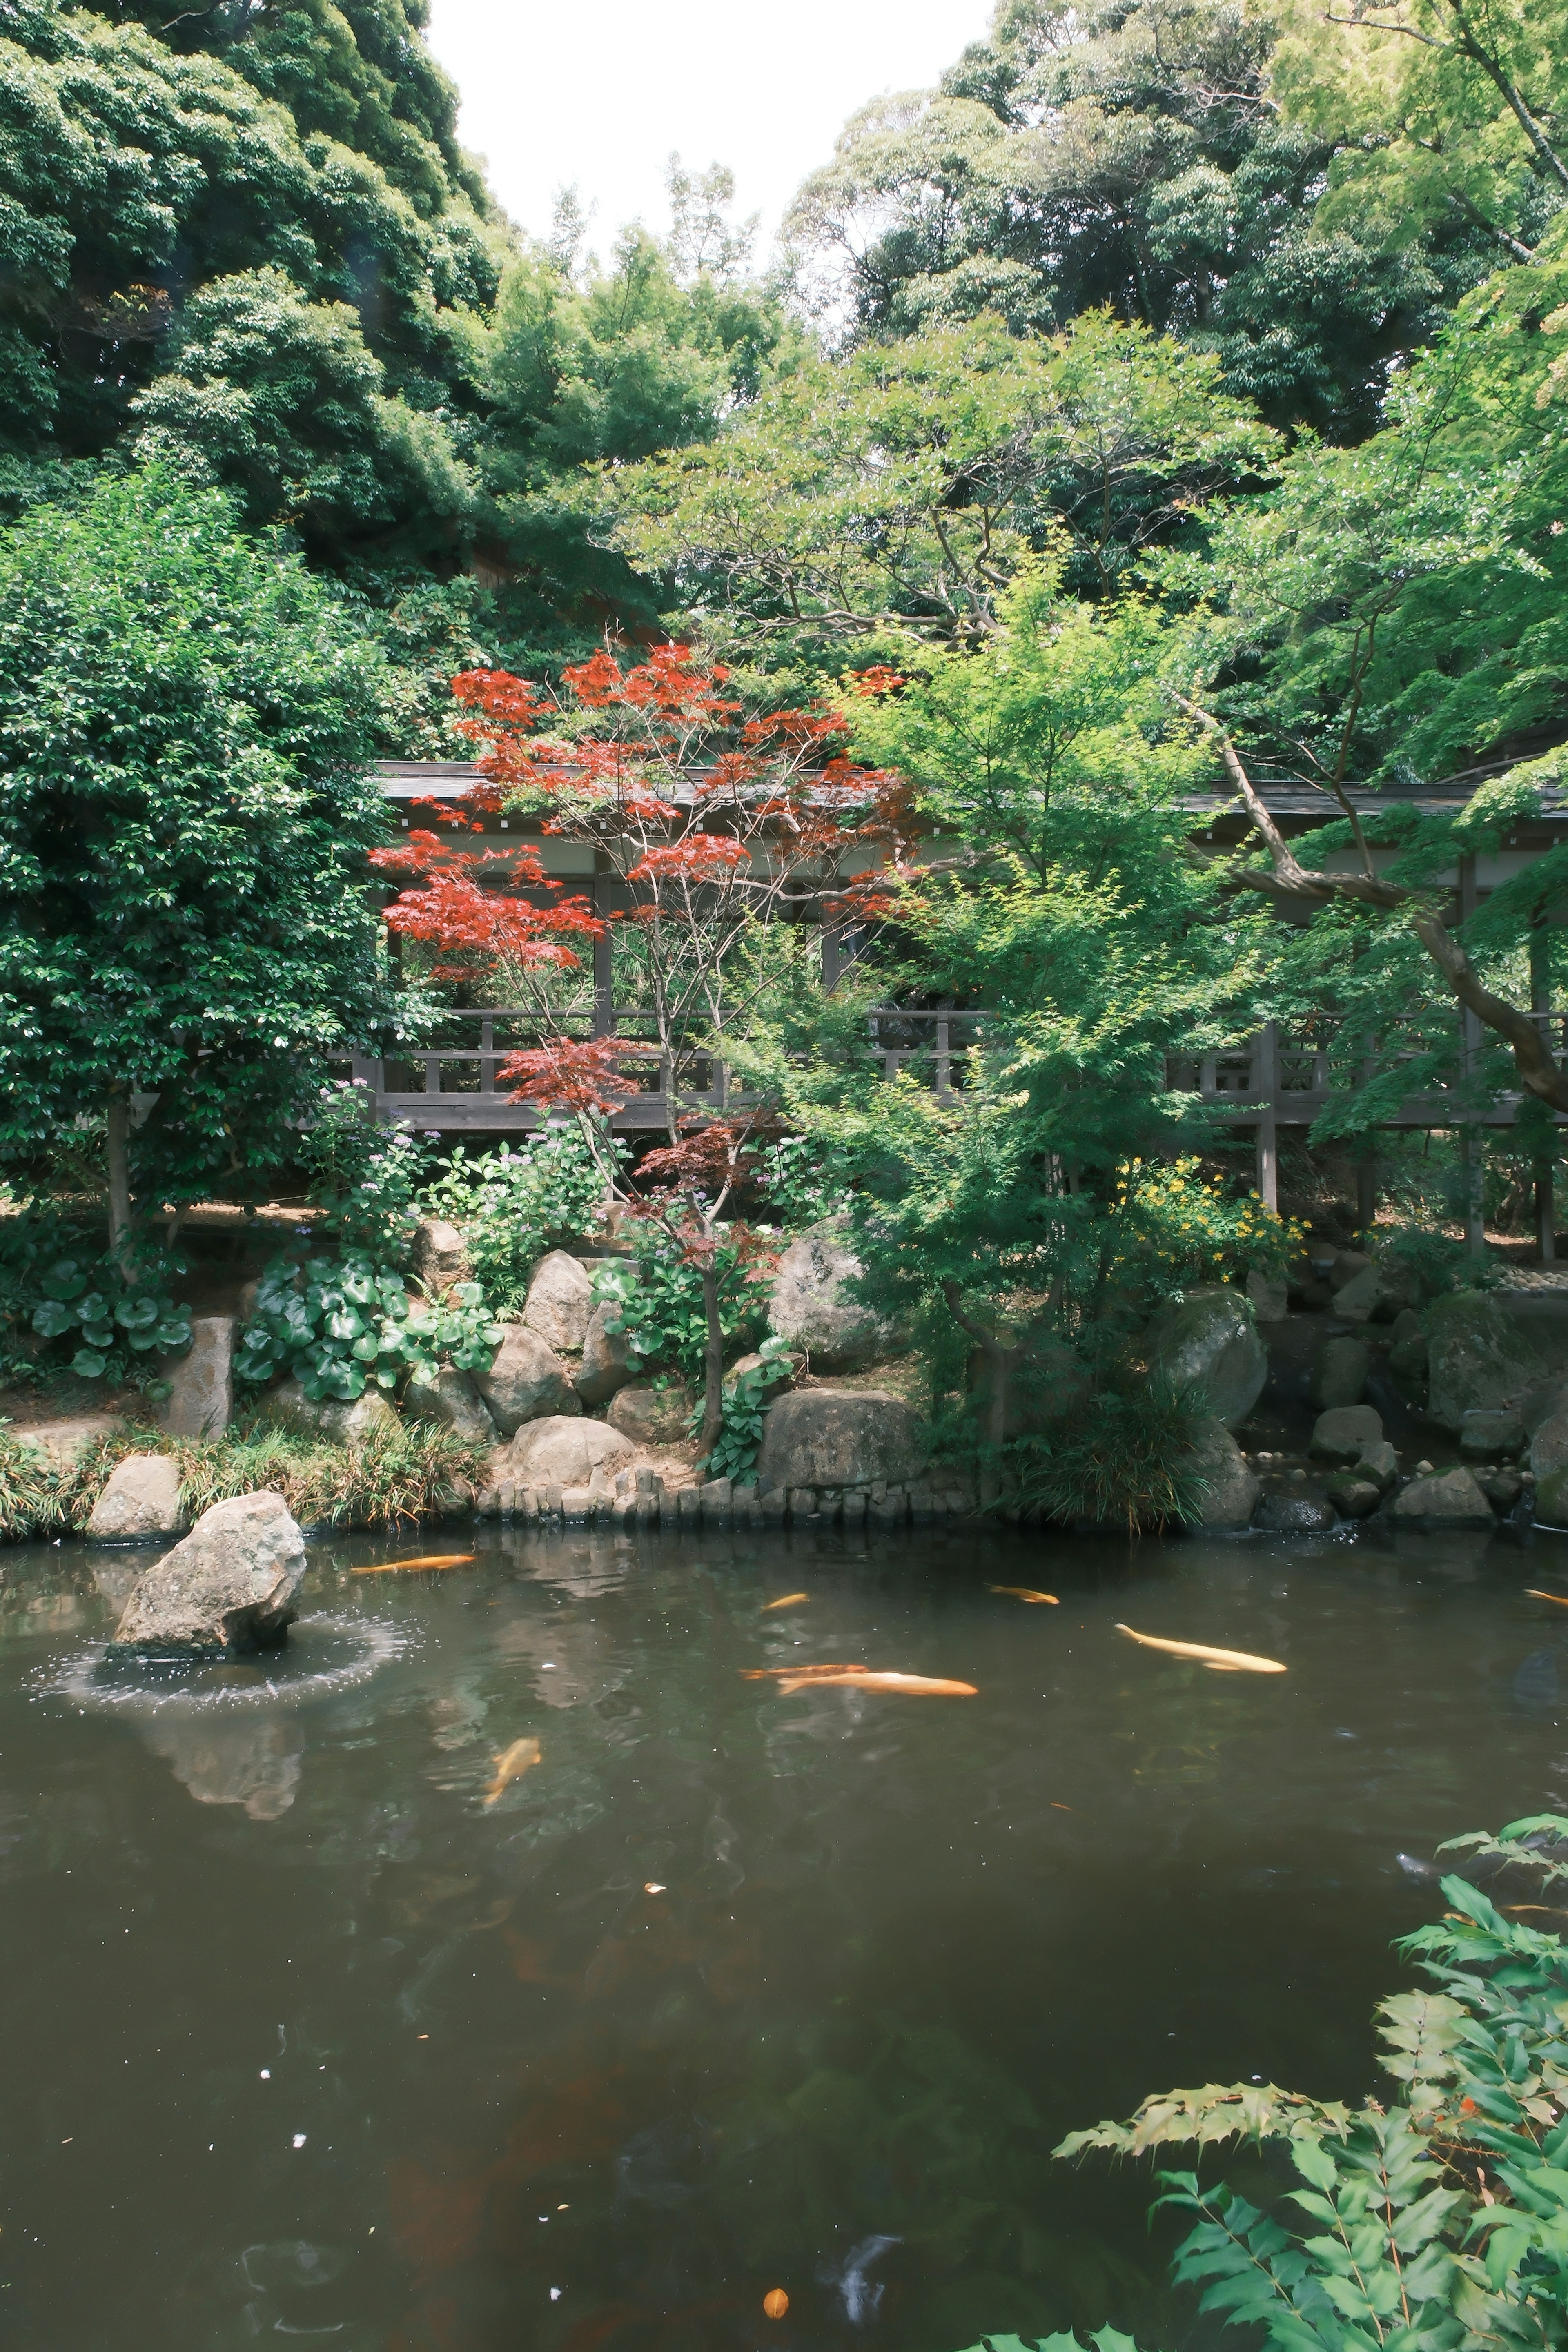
599, 95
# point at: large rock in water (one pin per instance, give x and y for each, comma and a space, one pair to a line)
1209, 1347
606, 1356
525, 1381
1450, 1498
1344, 1433
1339, 1373
453, 1402
1231, 1491
562, 1452
839, 1437
560, 1302
230, 1586
200, 1403
1477, 1357
651, 1417
1379, 1292
141, 1502
812, 1307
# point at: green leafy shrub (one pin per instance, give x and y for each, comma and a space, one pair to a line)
115, 1317
1178, 1227
799, 1182
1435, 2221
1120, 1456
338, 1323
747, 1396
1443, 1263
658, 1301
511, 1206
27, 1490
366, 1176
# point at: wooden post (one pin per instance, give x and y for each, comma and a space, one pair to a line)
831, 961
943, 1073
1472, 1158
1265, 1074
1366, 1194
1541, 1003
604, 980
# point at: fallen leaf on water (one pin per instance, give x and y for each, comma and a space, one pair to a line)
1530, 1595
433, 1560
512, 1764
790, 1600
1024, 1593
1223, 1661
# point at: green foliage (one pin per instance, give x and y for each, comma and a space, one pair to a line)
798, 1181
1104, 2339
1180, 1227
115, 1316
365, 1176
185, 733
1119, 1457
339, 1322
1442, 1260
747, 1396
658, 1301
1437, 2220
513, 1205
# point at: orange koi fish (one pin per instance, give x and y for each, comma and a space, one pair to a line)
1219, 1662
1532, 1594
430, 1559
1024, 1592
512, 1764
798, 1674
790, 1600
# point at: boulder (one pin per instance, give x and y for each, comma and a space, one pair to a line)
1344, 1433
440, 1254
1491, 1436
1407, 1364
1477, 1356
1269, 1294
561, 1451
652, 1417
60, 1441
200, 1403
811, 1308
1284, 1515
1344, 1267
140, 1501
839, 1437
1380, 1463
452, 1400
1502, 1489
230, 1586
1448, 1498
1231, 1491
1549, 1462
1353, 1497
1383, 1290
1339, 1373
560, 1302
1406, 1325
754, 1363
338, 1422
1536, 1407
526, 1380
1210, 1349
607, 1357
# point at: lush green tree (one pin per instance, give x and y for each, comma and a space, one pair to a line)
185, 816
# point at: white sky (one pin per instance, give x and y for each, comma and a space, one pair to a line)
599, 95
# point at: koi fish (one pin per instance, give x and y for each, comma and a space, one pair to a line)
866, 1678
790, 1600
512, 1764
430, 1560
1024, 1592
1532, 1594
798, 1674
1219, 1662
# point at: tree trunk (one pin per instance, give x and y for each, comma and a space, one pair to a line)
713, 1389
118, 1178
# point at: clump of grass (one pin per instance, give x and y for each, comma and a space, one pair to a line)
1122, 1458
391, 1478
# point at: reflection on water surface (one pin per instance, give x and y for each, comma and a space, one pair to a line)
729, 1991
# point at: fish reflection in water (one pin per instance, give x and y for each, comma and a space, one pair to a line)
862, 2298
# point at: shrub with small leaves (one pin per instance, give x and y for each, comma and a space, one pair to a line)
510, 1206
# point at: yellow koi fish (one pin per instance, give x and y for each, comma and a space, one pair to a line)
795, 1678
512, 1764
1532, 1594
1219, 1662
431, 1560
790, 1600
1024, 1592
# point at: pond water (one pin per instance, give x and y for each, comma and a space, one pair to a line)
315, 2028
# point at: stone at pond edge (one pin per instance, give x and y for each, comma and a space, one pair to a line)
1231, 1490
1443, 1499
1353, 1497
1294, 1515
526, 1380
339, 1421
60, 1441
140, 1501
1490, 1436
440, 1254
1269, 1294
811, 1308
1344, 1433
1209, 1347
1339, 1373
566, 1451
453, 1402
1379, 1293
839, 1437
229, 1586
560, 1301
653, 1417
607, 1357
1380, 1463
1549, 1447
1502, 1489
200, 1403
1475, 1356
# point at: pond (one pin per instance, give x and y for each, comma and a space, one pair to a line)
321, 2026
